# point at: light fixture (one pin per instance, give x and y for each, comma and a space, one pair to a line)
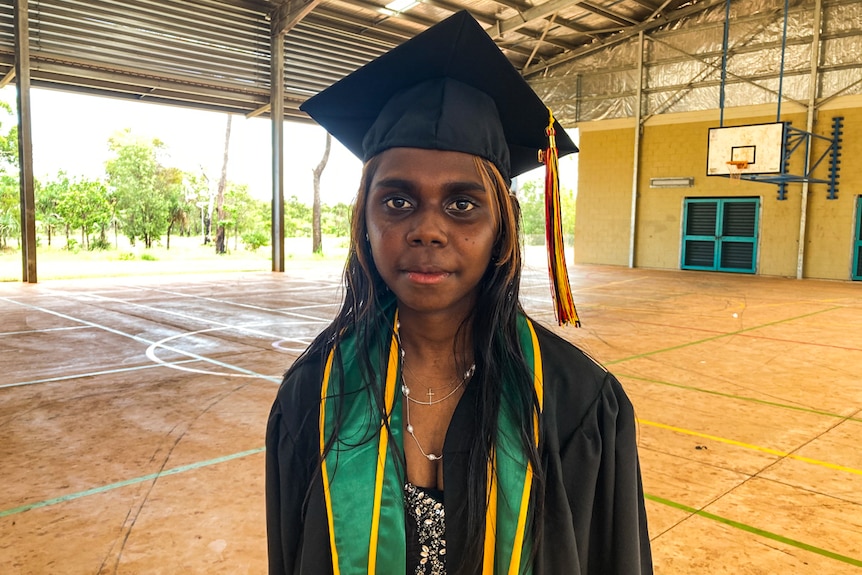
672, 182
397, 6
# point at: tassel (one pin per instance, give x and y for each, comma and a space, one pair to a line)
564, 305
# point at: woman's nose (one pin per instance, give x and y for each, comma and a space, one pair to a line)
429, 228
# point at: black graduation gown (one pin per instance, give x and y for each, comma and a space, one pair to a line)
594, 518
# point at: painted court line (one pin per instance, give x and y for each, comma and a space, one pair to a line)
756, 531
201, 464
127, 482
756, 336
213, 300
719, 336
769, 450
740, 397
96, 373
195, 318
46, 330
146, 341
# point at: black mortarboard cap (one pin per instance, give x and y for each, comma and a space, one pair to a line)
449, 88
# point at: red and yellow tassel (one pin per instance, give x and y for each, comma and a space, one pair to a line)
564, 305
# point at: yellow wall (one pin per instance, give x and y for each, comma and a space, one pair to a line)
676, 145
603, 206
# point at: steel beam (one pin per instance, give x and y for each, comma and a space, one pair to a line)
25, 142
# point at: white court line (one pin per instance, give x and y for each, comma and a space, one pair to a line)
228, 302
90, 374
313, 320
46, 330
145, 341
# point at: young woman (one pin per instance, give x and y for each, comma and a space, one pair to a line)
433, 427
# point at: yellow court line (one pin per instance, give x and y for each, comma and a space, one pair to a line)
752, 447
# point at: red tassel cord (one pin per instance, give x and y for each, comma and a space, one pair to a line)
564, 305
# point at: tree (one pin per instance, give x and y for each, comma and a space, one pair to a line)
9, 140
240, 211
222, 183
86, 206
10, 212
297, 218
531, 197
172, 182
316, 236
10, 220
47, 203
336, 220
141, 190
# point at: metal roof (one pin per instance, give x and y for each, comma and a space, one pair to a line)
215, 54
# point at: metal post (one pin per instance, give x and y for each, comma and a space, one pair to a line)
809, 127
25, 142
277, 115
724, 48
781, 70
637, 151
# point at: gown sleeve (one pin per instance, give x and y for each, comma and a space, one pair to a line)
297, 537
595, 519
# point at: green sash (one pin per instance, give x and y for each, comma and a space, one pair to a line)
364, 496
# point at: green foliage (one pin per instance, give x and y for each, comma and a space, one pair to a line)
255, 239
48, 199
10, 214
244, 214
335, 220
8, 140
142, 187
297, 218
85, 205
148, 257
126, 256
100, 244
531, 197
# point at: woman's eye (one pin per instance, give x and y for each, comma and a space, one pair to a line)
462, 205
397, 203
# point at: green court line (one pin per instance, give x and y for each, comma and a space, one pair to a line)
719, 336
740, 397
200, 464
756, 531
109, 487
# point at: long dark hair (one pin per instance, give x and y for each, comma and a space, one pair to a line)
496, 348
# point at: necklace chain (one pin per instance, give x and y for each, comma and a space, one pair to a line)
406, 392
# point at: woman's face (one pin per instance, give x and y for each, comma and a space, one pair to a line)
431, 227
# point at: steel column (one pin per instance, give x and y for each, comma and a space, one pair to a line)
637, 151
277, 116
25, 142
809, 126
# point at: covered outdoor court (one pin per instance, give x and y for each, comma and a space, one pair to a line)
132, 414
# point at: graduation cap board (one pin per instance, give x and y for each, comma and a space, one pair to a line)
457, 49
451, 88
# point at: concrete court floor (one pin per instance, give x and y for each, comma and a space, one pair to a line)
132, 415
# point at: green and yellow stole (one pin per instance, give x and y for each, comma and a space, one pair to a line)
362, 487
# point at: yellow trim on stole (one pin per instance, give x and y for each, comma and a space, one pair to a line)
326, 494
491, 519
391, 381
538, 385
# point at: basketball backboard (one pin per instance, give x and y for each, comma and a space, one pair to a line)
760, 145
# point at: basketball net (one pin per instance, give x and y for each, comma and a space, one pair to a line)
734, 168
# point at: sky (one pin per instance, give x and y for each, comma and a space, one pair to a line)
71, 131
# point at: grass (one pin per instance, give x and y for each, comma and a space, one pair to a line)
187, 255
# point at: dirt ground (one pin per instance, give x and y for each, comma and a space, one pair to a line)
132, 414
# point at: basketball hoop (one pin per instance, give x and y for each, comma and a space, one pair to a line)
734, 168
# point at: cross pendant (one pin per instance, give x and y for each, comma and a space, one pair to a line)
430, 395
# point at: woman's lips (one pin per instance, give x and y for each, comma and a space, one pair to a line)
427, 277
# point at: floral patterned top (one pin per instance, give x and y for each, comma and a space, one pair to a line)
426, 530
